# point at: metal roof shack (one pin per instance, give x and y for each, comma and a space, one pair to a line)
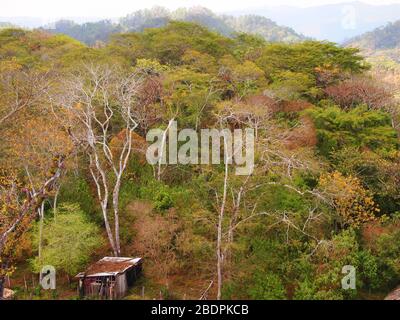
109, 278
394, 295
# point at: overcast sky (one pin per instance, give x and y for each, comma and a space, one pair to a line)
116, 8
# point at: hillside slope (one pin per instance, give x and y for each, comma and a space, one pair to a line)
332, 22
382, 38
91, 32
381, 46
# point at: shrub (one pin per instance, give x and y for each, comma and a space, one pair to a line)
267, 286
163, 201
68, 240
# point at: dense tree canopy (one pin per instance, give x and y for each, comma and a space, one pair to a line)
324, 192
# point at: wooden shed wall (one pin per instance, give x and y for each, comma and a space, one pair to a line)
121, 285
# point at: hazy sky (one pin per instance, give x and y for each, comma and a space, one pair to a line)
116, 8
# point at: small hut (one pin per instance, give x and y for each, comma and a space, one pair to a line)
394, 295
109, 278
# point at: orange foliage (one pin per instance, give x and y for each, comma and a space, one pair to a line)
263, 101
294, 106
304, 135
139, 145
360, 91
354, 204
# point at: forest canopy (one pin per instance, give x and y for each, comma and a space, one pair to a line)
324, 192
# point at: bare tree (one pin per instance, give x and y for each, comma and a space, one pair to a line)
34, 155
362, 90
21, 205
236, 196
102, 100
21, 89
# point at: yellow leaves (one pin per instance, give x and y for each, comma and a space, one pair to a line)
36, 143
150, 66
248, 70
353, 203
202, 62
9, 65
8, 271
139, 144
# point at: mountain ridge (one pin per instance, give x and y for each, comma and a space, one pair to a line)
381, 38
332, 22
92, 32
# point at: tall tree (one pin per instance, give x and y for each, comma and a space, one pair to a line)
20, 88
19, 204
101, 101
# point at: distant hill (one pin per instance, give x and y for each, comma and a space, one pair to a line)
23, 22
262, 26
381, 46
89, 32
35, 22
5, 25
157, 17
386, 37
333, 22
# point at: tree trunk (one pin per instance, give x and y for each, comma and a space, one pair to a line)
109, 233
55, 203
220, 255
163, 145
219, 259
116, 215
3, 267
41, 217
2, 281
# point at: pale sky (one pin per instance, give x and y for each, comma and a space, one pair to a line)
117, 8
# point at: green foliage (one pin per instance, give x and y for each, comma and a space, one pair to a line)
368, 271
168, 44
387, 252
188, 95
282, 199
152, 67
90, 33
34, 49
267, 286
93, 32
163, 196
68, 240
75, 189
377, 173
288, 85
247, 78
195, 74
308, 56
342, 250
306, 290
358, 127
246, 45
163, 200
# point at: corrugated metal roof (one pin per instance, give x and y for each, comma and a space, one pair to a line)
394, 295
109, 266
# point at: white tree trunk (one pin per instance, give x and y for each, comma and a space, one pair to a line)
220, 254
